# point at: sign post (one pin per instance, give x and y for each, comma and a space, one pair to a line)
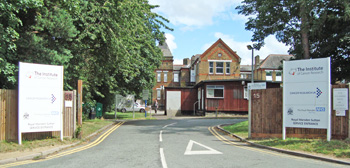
145, 94
252, 86
306, 95
40, 98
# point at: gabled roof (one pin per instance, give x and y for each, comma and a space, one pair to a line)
246, 68
197, 56
225, 45
274, 61
165, 50
179, 67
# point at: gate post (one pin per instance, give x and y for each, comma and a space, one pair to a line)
80, 108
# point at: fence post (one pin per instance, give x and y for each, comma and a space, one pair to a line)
80, 108
2, 119
249, 113
349, 112
74, 108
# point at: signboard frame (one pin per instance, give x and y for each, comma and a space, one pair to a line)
307, 94
257, 86
340, 101
40, 98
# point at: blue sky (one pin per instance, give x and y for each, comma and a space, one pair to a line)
198, 24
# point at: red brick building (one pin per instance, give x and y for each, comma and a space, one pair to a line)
203, 83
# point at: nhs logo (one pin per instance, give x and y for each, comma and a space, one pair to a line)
320, 109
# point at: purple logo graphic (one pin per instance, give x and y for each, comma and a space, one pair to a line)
53, 98
318, 92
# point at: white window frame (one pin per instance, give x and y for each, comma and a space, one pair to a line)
219, 60
245, 94
211, 68
211, 91
159, 77
268, 77
159, 93
228, 68
176, 77
222, 68
165, 76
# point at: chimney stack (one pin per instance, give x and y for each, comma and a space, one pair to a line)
186, 61
257, 61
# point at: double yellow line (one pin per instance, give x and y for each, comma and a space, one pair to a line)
220, 137
94, 143
240, 145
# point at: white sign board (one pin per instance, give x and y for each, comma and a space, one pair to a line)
340, 101
145, 94
306, 93
257, 86
40, 98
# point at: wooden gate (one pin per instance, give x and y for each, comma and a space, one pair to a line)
267, 111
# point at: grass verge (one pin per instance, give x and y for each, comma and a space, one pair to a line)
89, 127
126, 115
30, 145
240, 129
337, 148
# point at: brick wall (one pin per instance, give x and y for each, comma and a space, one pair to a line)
185, 77
213, 54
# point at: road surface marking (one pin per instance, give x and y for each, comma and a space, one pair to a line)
223, 139
209, 151
96, 142
160, 136
162, 158
169, 125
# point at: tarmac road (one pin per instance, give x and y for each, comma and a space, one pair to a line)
173, 143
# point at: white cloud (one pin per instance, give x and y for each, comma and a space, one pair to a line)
272, 46
191, 14
170, 41
238, 17
178, 61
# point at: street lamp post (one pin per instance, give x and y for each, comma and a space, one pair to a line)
252, 48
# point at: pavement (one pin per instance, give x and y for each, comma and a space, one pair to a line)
30, 155
160, 116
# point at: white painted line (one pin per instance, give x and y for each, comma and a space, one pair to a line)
160, 136
209, 151
162, 158
169, 125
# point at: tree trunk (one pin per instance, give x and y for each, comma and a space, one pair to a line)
304, 30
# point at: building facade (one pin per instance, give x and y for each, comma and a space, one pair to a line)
270, 69
207, 82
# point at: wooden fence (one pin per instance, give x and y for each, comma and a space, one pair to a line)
266, 115
9, 117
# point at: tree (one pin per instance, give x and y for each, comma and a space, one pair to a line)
305, 26
109, 44
118, 44
10, 23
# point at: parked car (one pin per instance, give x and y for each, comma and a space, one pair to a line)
137, 107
